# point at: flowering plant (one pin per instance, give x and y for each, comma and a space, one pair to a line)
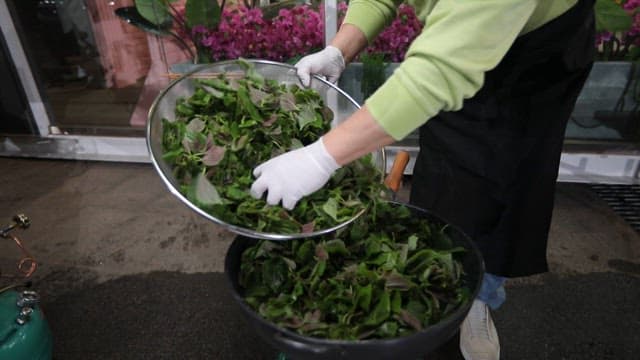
248, 33
283, 31
395, 39
292, 33
617, 29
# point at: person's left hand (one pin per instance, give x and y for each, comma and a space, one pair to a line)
292, 175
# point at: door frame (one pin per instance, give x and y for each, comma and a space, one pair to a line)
48, 142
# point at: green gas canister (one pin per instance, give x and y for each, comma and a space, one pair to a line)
24, 331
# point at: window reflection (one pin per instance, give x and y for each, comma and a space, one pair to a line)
98, 74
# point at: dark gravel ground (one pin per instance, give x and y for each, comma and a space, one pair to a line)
168, 315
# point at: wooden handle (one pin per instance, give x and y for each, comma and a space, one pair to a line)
394, 178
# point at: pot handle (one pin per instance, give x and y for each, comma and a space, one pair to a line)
298, 345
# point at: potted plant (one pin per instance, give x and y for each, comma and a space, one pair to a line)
607, 106
212, 30
378, 61
164, 18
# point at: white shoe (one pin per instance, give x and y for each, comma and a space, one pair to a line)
478, 335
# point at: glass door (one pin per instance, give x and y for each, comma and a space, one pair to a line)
85, 78
14, 109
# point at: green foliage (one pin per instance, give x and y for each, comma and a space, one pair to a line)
387, 275
154, 11
229, 125
610, 16
373, 72
197, 12
202, 12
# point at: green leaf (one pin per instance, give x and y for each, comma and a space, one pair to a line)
610, 16
250, 72
172, 134
306, 116
363, 297
288, 102
296, 144
202, 12
244, 101
388, 329
194, 139
154, 11
381, 312
218, 84
373, 72
132, 16
304, 253
331, 208
204, 192
275, 273
235, 193
336, 246
213, 91
317, 272
396, 302
417, 310
412, 242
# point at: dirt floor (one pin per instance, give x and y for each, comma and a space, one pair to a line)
126, 271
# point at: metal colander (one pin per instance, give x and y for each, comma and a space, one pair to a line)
341, 104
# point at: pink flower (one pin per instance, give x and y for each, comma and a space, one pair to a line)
292, 33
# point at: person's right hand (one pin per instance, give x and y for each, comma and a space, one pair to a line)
328, 63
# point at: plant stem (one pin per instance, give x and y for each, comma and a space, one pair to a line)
194, 56
176, 16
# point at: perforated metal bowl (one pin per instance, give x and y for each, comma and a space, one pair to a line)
341, 104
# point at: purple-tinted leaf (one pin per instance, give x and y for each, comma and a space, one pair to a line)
313, 316
308, 227
191, 142
239, 143
234, 84
293, 322
410, 320
321, 252
276, 131
396, 281
214, 155
196, 125
288, 102
271, 120
257, 96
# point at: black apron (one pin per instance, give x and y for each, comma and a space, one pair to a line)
491, 168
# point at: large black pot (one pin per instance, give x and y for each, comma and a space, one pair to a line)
409, 347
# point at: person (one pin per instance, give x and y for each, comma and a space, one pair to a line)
491, 86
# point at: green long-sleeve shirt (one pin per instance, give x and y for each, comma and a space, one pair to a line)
446, 63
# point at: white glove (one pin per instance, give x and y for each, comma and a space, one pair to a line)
292, 175
328, 62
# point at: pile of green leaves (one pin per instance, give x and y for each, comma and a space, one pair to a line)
387, 275
230, 125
